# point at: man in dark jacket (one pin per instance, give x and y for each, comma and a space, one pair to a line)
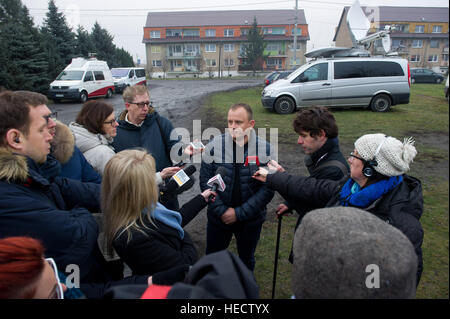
318, 137
56, 211
241, 208
141, 126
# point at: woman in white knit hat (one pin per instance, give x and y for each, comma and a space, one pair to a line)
378, 184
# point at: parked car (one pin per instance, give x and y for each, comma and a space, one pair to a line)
82, 79
124, 77
425, 76
276, 75
377, 83
446, 88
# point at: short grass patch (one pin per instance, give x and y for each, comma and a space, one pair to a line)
425, 118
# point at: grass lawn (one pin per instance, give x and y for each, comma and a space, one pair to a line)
426, 118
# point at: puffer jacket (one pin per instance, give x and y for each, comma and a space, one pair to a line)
402, 207
147, 136
58, 213
255, 195
96, 148
73, 163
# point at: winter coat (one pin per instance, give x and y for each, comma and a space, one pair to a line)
73, 163
147, 136
58, 213
402, 207
157, 246
322, 164
255, 195
96, 148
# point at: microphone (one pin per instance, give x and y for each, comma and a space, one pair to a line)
181, 181
253, 163
216, 182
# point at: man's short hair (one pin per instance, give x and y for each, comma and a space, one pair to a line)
132, 91
314, 119
93, 114
246, 107
15, 109
337, 252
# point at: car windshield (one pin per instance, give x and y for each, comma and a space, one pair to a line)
70, 75
119, 73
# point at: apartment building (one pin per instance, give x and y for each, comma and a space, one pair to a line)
420, 34
208, 42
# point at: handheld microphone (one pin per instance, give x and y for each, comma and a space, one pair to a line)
216, 182
252, 162
180, 179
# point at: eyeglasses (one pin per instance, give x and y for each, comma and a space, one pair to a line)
52, 116
143, 104
360, 158
112, 122
57, 292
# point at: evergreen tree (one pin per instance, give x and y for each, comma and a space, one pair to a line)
59, 39
23, 62
254, 50
84, 44
123, 58
105, 48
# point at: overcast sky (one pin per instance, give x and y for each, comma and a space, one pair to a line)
125, 19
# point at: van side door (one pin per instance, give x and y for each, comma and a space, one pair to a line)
314, 87
132, 77
100, 87
88, 83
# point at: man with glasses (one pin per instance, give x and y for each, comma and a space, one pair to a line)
141, 126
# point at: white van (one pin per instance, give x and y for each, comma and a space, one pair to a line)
82, 79
124, 77
377, 83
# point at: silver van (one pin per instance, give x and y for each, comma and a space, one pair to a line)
377, 83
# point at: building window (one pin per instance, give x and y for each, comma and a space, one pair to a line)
415, 58
191, 33
299, 31
210, 33
210, 47
276, 47
244, 31
156, 63
419, 29
228, 47
417, 43
156, 49
433, 58
434, 43
401, 28
229, 62
210, 62
173, 33
445, 57
291, 46
228, 33
275, 62
437, 29
397, 43
155, 34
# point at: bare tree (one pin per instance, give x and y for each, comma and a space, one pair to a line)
165, 66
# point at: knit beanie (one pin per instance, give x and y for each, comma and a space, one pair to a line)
345, 252
393, 156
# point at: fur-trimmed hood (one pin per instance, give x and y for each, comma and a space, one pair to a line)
63, 143
13, 167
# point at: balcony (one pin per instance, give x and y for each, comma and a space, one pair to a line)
184, 55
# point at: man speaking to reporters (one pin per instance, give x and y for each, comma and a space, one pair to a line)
241, 208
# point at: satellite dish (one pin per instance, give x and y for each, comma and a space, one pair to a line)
386, 42
357, 22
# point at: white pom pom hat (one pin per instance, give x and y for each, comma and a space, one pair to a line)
393, 157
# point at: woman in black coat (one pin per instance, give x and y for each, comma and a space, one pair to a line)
377, 184
147, 236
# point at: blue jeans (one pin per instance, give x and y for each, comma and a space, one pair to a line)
218, 237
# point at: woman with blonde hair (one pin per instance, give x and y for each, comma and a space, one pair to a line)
147, 236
